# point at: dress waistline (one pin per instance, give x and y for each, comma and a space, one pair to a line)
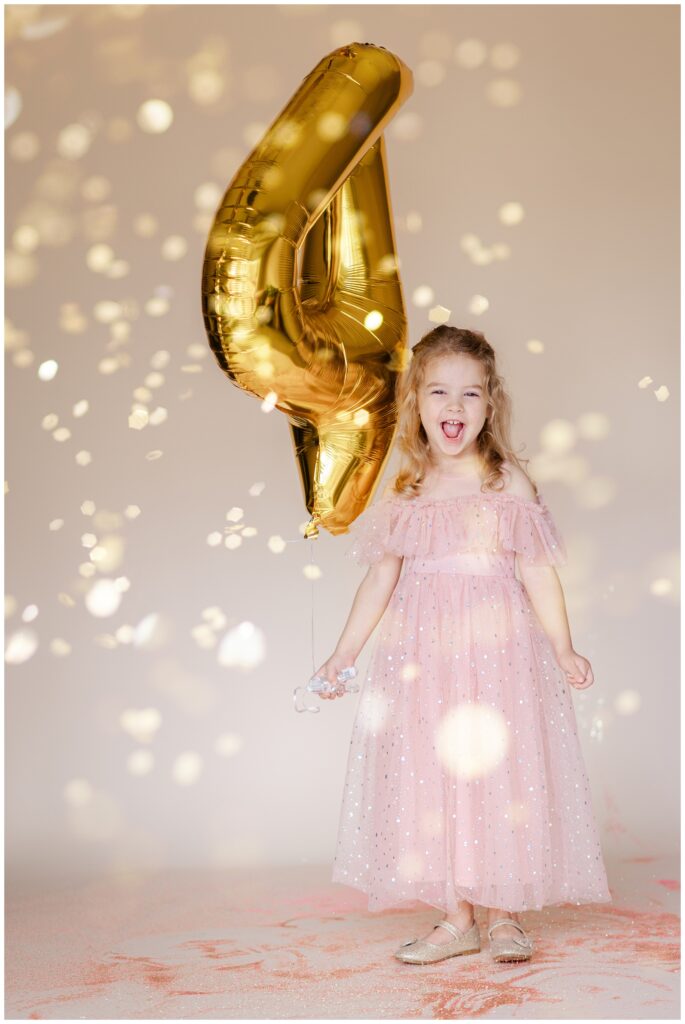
417, 571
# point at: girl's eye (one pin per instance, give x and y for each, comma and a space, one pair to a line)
439, 391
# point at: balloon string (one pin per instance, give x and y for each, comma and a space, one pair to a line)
311, 559
298, 540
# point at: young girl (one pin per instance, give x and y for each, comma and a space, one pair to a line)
465, 781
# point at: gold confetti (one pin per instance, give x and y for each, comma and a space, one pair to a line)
48, 369
511, 213
59, 647
142, 724
243, 647
423, 296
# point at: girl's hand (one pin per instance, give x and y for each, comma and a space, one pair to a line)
577, 668
330, 669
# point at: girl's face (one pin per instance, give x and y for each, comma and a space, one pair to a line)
453, 389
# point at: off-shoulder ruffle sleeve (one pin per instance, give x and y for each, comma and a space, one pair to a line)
429, 529
529, 530
374, 532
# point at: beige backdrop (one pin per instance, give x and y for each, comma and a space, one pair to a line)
150, 670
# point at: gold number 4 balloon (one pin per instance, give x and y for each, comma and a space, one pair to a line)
326, 349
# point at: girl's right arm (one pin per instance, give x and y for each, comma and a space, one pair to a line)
370, 601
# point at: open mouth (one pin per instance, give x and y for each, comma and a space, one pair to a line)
452, 429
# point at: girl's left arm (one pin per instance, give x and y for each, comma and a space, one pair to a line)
547, 597
544, 588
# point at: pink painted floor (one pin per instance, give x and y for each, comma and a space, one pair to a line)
289, 944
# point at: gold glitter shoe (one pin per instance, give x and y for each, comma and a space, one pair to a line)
509, 948
421, 951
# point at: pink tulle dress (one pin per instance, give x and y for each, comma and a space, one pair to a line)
465, 776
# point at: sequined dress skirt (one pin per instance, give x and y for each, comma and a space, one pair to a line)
465, 776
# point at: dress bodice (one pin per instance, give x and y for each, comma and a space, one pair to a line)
479, 533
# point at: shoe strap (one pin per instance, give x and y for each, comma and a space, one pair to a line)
452, 928
509, 921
